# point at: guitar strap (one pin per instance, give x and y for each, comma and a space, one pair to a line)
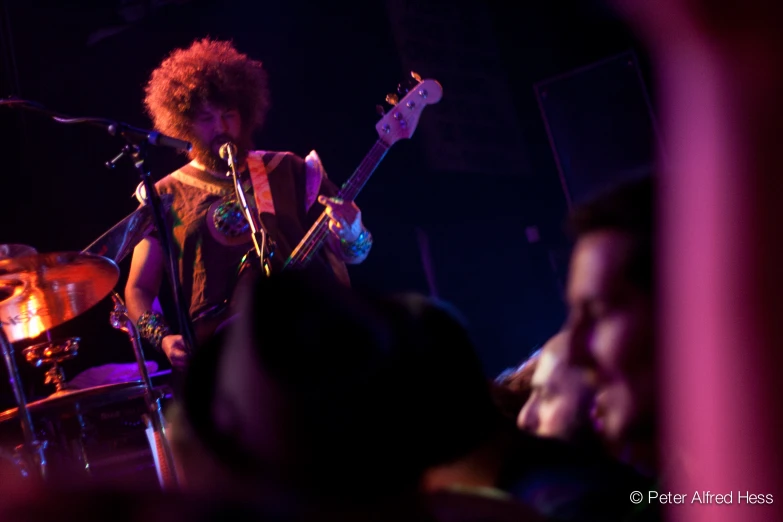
259, 178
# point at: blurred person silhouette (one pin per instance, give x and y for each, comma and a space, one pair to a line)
611, 323
719, 73
295, 399
332, 409
472, 447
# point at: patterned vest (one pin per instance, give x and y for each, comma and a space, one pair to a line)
211, 236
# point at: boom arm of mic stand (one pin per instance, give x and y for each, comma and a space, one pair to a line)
115, 128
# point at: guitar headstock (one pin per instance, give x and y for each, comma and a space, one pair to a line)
401, 120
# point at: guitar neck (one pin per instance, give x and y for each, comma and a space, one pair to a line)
316, 236
363, 172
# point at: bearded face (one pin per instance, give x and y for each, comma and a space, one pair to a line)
212, 127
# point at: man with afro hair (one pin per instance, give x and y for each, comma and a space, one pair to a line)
210, 94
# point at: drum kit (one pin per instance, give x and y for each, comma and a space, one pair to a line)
95, 431
71, 430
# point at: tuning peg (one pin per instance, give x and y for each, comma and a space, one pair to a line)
415, 76
402, 90
380, 110
392, 98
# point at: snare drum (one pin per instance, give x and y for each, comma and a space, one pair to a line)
93, 433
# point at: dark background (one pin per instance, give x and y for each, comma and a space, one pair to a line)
543, 104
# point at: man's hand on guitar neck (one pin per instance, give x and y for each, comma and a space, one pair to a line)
345, 218
348, 239
174, 348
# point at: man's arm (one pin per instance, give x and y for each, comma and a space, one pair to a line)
141, 291
144, 279
319, 184
336, 246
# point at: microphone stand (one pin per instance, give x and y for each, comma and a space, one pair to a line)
138, 154
137, 140
257, 230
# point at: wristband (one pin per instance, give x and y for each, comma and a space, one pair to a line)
152, 327
357, 248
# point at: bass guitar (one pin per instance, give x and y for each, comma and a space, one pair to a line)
397, 123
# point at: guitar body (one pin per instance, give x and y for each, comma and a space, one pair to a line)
208, 322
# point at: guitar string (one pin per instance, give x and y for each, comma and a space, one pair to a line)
321, 228
349, 191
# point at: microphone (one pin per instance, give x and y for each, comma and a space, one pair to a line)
228, 153
161, 140
152, 137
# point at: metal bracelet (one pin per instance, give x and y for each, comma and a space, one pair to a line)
357, 248
152, 327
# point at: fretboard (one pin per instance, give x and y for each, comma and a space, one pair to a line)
316, 236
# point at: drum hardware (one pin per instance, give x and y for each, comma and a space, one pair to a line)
53, 353
42, 291
31, 453
167, 472
39, 292
91, 434
52, 288
117, 243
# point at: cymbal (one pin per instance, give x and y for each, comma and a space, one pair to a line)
119, 240
42, 291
